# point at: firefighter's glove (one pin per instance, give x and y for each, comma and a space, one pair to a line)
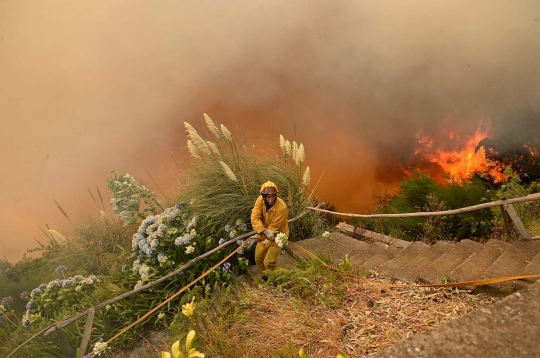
270, 234
250, 241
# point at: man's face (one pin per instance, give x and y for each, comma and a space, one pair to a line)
269, 195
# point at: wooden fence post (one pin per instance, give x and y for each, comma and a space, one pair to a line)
516, 220
87, 332
506, 220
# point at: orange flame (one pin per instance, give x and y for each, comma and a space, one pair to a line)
464, 160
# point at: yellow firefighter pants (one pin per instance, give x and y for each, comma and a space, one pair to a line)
266, 255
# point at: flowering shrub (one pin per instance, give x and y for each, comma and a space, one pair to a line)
48, 298
127, 198
165, 241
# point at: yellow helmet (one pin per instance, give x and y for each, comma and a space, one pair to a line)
268, 184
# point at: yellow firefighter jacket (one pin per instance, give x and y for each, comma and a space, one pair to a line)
273, 219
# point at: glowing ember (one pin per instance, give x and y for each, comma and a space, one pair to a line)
464, 160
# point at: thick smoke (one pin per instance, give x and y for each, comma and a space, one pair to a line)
92, 87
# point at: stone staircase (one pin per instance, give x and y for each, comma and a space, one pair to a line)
419, 262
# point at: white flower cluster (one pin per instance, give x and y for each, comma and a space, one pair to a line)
326, 235
153, 240
100, 347
282, 239
186, 238
142, 270
156, 227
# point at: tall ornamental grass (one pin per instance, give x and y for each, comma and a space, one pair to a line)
226, 174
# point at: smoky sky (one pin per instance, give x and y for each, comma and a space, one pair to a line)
90, 87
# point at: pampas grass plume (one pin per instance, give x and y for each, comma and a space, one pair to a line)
191, 131
294, 151
226, 133
58, 237
211, 125
282, 144
213, 147
306, 177
193, 149
196, 139
288, 147
300, 155
228, 171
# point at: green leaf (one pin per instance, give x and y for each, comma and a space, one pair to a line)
301, 353
342, 355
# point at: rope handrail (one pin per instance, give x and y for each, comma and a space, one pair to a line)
57, 325
530, 197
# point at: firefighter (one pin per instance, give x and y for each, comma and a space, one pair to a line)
268, 218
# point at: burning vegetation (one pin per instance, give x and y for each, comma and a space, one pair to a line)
464, 160
451, 170
454, 157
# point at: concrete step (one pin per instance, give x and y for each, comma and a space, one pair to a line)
371, 236
511, 263
393, 266
382, 254
533, 268
335, 248
449, 261
411, 271
474, 267
373, 250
